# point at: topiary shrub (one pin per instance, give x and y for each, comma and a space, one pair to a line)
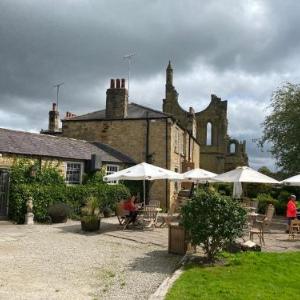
59, 212
212, 221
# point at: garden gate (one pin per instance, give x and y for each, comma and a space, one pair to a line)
4, 181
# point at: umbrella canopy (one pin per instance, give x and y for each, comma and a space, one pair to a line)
294, 180
143, 171
244, 174
197, 175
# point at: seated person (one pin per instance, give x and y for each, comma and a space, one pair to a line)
130, 206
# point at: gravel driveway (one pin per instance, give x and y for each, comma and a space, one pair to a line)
60, 262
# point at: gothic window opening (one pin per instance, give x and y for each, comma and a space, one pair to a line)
232, 148
209, 134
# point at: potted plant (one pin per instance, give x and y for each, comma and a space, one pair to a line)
59, 212
90, 215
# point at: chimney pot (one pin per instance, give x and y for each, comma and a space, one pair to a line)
123, 83
54, 106
112, 83
118, 83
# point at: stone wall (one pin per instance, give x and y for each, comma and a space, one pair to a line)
130, 137
127, 136
7, 160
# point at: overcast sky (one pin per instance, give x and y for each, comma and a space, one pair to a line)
239, 50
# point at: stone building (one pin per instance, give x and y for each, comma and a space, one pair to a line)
72, 157
219, 152
173, 138
140, 132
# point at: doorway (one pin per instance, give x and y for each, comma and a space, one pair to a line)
4, 182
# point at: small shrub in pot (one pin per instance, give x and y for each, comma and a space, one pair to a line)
90, 215
59, 212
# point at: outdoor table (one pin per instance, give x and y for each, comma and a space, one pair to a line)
150, 213
252, 216
250, 208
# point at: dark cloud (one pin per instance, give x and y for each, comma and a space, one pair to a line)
239, 50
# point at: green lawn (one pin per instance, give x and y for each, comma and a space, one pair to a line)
246, 276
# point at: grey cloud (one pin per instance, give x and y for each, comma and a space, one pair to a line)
240, 50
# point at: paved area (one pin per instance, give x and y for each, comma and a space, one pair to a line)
62, 262
277, 240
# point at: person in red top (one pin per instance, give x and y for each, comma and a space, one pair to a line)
129, 205
291, 212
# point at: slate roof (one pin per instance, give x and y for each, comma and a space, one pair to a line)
134, 111
34, 144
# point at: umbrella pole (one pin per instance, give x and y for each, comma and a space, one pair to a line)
144, 190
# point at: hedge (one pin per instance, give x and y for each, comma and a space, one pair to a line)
74, 196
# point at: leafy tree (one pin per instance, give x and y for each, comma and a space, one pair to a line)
282, 127
213, 221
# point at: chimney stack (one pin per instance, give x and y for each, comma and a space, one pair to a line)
112, 83
53, 119
123, 83
116, 100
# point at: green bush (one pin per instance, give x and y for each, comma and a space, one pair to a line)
264, 200
213, 221
27, 171
74, 196
95, 177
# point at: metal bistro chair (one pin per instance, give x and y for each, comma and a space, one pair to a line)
294, 228
149, 216
122, 215
155, 203
260, 226
258, 229
170, 217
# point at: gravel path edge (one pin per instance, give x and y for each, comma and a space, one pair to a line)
165, 286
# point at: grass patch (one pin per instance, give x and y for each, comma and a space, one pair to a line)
244, 276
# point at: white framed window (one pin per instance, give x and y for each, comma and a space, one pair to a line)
110, 169
73, 172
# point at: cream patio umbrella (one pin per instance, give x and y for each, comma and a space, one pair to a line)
244, 174
294, 180
197, 175
143, 171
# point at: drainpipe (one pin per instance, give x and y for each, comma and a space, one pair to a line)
166, 134
189, 152
147, 136
146, 186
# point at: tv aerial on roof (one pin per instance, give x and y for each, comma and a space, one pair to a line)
57, 86
129, 57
